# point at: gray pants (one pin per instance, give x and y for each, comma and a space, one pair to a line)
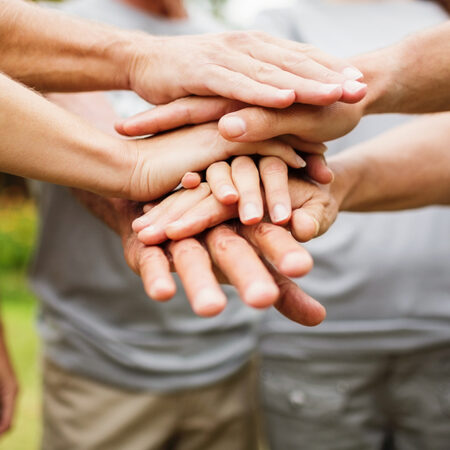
358, 402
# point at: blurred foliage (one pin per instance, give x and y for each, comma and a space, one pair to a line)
17, 232
18, 316
18, 225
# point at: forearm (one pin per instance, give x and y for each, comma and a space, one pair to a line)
408, 167
50, 51
410, 77
42, 141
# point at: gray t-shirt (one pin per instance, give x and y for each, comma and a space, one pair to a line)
95, 317
384, 277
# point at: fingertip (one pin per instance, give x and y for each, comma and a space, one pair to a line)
352, 73
162, 289
261, 295
191, 180
227, 195
296, 264
209, 302
316, 314
232, 126
353, 91
283, 98
139, 224
250, 214
280, 214
304, 226
118, 126
323, 95
152, 235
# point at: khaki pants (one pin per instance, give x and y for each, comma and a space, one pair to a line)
82, 414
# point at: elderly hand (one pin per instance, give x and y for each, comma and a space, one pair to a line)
251, 67
232, 252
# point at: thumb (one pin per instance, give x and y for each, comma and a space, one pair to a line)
181, 112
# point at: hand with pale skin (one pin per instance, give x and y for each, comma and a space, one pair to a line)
8, 387
234, 257
410, 77
256, 68
256, 260
373, 176
237, 187
69, 151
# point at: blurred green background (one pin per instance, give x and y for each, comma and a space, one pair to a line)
17, 232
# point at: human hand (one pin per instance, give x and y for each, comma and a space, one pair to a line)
240, 182
160, 162
228, 253
302, 126
8, 386
252, 67
189, 212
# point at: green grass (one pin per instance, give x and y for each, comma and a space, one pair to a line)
17, 230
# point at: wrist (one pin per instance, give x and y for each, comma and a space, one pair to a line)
138, 54
382, 70
113, 160
345, 182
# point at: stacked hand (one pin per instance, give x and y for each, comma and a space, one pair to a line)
256, 259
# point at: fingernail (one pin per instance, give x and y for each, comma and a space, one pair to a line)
300, 162
261, 295
250, 212
329, 88
352, 87
296, 264
152, 235
286, 93
280, 213
176, 224
234, 126
208, 302
332, 175
317, 225
227, 192
352, 73
140, 223
161, 289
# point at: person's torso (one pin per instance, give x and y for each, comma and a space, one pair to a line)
95, 316
383, 277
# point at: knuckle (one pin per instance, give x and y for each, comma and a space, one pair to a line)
203, 188
307, 48
151, 256
217, 168
277, 193
272, 165
264, 230
259, 34
188, 247
237, 37
293, 61
265, 72
242, 163
279, 147
224, 240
